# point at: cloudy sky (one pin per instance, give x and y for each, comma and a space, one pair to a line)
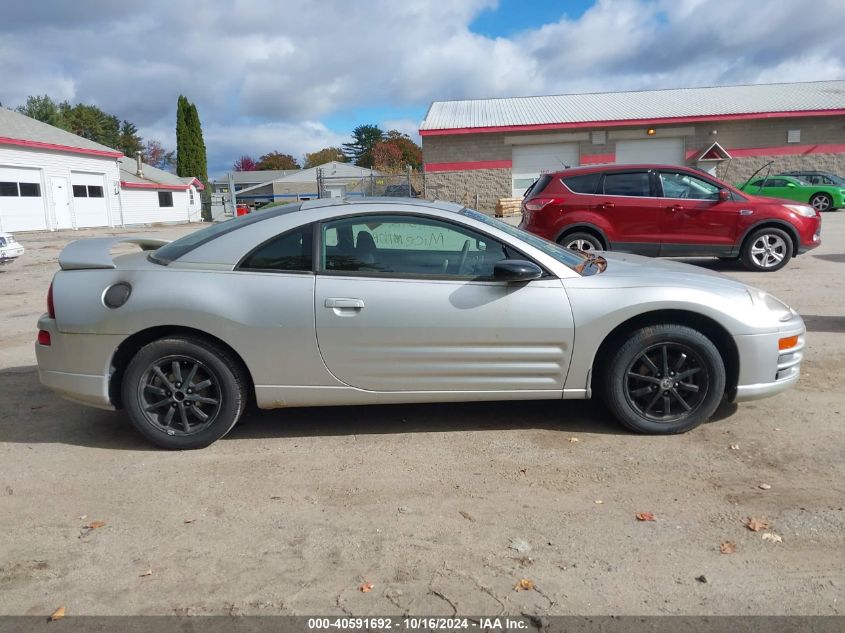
298, 75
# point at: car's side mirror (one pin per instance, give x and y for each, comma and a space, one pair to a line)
791, 185
516, 270
724, 195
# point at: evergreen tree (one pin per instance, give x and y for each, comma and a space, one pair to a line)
43, 108
130, 142
183, 158
360, 150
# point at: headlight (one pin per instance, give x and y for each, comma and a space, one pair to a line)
802, 209
762, 299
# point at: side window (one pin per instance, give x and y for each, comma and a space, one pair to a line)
633, 183
588, 183
682, 185
408, 245
776, 182
291, 251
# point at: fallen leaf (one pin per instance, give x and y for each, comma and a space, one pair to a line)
764, 487
734, 447
83, 517
572, 440
524, 585
755, 525
524, 471
189, 520
520, 545
275, 498
645, 516
58, 614
598, 501
149, 572
727, 547
403, 509
467, 516
702, 578
366, 587
774, 538
96, 524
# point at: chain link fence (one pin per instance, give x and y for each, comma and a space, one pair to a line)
403, 185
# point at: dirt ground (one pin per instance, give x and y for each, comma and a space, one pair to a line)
440, 508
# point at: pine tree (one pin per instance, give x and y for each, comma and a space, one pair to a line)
183, 159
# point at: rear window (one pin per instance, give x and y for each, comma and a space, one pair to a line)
184, 245
635, 183
538, 186
588, 183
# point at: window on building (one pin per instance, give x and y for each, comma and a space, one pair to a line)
292, 251
80, 191
30, 189
165, 198
191, 196
632, 183
8, 189
95, 191
793, 136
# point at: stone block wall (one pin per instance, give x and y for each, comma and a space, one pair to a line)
463, 187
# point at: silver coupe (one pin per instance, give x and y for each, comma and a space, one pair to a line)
334, 302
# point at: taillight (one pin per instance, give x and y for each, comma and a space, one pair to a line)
43, 337
535, 204
51, 309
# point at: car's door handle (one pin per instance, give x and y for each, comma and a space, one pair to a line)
341, 302
675, 207
607, 205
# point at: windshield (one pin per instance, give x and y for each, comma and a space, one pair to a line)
177, 248
565, 256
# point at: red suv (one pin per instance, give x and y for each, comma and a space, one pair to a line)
667, 211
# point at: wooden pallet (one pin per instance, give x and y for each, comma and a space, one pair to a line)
508, 206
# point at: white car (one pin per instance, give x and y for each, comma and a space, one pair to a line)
9, 248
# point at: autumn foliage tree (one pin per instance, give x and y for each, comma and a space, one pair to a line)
157, 155
396, 152
245, 163
277, 160
323, 156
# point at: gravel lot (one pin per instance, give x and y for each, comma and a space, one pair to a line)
441, 508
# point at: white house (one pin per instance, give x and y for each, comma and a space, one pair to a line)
52, 179
149, 195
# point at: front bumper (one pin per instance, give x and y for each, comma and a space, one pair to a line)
76, 366
766, 370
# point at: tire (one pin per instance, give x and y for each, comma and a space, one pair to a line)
637, 395
767, 250
169, 412
581, 241
821, 202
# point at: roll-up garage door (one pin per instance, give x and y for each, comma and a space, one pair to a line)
22, 200
529, 161
89, 199
663, 151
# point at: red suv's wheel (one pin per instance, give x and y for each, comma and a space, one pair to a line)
581, 242
767, 250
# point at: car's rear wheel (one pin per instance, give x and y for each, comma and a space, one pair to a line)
821, 202
581, 241
767, 250
665, 379
183, 393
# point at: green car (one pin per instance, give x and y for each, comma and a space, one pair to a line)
821, 197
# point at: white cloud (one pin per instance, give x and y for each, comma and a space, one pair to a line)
264, 75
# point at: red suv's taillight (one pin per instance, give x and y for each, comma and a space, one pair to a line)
51, 309
535, 204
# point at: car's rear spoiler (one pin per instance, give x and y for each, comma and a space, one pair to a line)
95, 252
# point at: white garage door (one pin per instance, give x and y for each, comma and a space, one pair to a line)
22, 199
663, 151
529, 161
89, 199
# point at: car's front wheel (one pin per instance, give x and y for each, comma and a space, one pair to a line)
665, 379
821, 202
767, 250
183, 393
